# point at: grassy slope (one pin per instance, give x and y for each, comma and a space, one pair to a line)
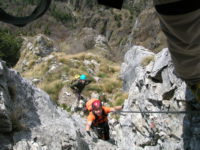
63, 22
108, 85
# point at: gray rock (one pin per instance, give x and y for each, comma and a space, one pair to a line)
30, 120
155, 87
5, 142
67, 97
162, 60
133, 58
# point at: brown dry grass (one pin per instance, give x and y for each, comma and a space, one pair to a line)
147, 60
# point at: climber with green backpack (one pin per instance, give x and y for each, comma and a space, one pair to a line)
77, 85
97, 118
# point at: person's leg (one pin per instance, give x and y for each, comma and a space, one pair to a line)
106, 131
79, 96
98, 131
75, 107
103, 131
78, 99
183, 35
195, 88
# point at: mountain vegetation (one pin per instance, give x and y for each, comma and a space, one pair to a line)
66, 18
9, 47
73, 26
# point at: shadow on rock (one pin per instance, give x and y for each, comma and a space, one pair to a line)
17, 107
191, 123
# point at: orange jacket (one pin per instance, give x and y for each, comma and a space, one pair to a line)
99, 119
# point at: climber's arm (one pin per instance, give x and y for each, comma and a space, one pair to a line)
88, 125
116, 108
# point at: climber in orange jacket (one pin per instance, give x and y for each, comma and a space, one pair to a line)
98, 121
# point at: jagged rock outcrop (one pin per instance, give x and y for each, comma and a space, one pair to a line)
29, 120
34, 50
133, 59
131, 25
155, 87
88, 39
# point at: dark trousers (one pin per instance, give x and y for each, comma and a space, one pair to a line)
79, 96
102, 131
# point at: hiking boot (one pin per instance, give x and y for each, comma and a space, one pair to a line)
81, 104
83, 99
74, 109
195, 88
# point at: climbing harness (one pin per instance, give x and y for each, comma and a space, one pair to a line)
22, 21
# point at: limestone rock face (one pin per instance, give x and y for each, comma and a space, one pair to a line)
29, 120
132, 60
155, 87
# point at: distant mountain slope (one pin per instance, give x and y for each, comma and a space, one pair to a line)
136, 23
52, 70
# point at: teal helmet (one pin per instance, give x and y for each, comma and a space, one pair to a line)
83, 77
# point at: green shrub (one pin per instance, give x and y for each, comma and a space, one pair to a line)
10, 47
117, 17
65, 107
59, 15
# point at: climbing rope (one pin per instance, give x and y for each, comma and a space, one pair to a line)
162, 112
22, 21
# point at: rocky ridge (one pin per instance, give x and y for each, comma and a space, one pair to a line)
53, 70
155, 87
30, 120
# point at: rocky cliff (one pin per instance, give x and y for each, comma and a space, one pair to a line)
136, 23
30, 120
153, 86
52, 70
